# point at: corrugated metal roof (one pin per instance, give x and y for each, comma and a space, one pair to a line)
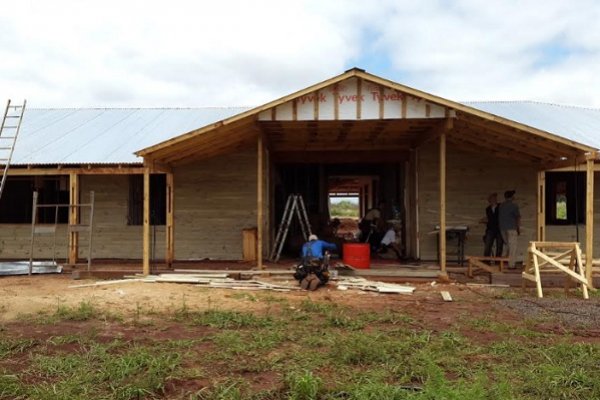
111, 136
579, 124
102, 135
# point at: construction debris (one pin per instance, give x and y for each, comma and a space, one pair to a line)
373, 286
22, 268
104, 283
446, 295
222, 281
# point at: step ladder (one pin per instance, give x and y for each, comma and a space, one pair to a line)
293, 206
9, 132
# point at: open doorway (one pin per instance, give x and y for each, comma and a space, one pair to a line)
337, 197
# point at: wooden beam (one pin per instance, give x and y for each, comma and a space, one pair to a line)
570, 162
73, 217
574, 168
359, 83
170, 222
146, 225
518, 142
90, 170
336, 102
490, 128
339, 157
442, 127
316, 106
443, 203
541, 206
158, 167
470, 144
259, 202
589, 220
222, 138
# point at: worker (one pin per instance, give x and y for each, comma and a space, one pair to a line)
314, 268
492, 229
389, 242
509, 220
370, 226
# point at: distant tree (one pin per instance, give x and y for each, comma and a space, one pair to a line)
344, 208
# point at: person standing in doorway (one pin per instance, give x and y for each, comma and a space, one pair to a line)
509, 220
492, 229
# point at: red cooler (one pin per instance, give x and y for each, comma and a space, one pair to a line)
357, 255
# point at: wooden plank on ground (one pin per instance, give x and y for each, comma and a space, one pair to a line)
446, 295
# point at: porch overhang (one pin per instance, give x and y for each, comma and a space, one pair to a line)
360, 112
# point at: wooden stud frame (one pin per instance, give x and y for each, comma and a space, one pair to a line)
170, 222
443, 203
589, 217
259, 201
146, 225
73, 217
541, 207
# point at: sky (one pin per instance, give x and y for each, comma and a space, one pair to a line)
177, 53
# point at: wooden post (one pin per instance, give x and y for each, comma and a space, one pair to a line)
589, 219
170, 222
443, 203
73, 217
259, 201
146, 227
541, 206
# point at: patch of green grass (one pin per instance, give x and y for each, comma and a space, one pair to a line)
10, 347
310, 306
303, 385
243, 296
318, 350
82, 312
230, 389
224, 319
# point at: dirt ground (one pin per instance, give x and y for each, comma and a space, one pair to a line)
559, 313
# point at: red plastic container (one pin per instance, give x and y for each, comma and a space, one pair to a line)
357, 255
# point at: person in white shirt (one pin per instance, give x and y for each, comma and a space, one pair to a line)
389, 241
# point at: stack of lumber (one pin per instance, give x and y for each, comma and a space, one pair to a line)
219, 280
373, 286
209, 280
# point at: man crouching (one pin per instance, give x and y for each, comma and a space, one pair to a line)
314, 269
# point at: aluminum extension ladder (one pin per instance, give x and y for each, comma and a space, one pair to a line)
9, 132
293, 206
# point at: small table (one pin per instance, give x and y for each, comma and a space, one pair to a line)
458, 233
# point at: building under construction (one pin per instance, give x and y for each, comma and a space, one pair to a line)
183, 184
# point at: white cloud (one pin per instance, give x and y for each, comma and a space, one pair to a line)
196, 53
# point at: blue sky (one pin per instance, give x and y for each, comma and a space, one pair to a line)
238, 53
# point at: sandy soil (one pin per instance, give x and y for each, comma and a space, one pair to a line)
30, 295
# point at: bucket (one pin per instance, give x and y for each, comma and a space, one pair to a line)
357, 255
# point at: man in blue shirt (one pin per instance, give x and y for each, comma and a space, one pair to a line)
313, 271
316, 248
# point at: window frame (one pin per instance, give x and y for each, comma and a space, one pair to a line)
21, 203
158, 200
575, 182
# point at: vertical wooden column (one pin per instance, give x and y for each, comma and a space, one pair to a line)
146, 225
541, 206
170, 222
259, 200
589, 218
73, 217
443, 203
